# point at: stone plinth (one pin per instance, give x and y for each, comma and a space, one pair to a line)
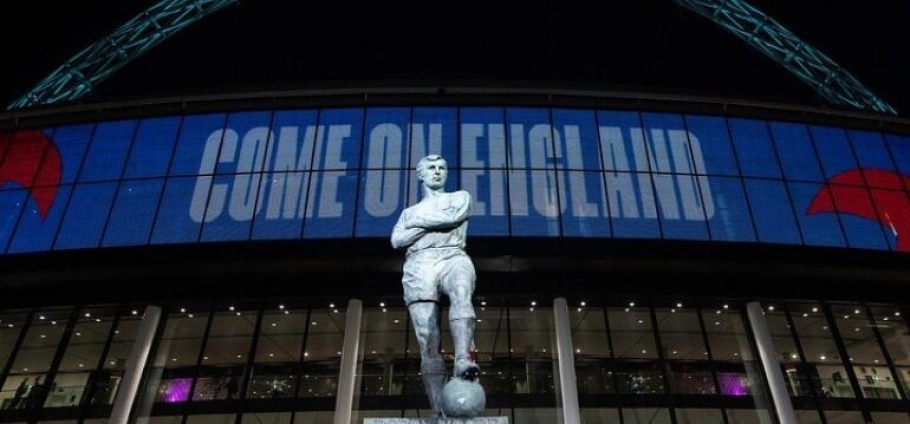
477, 420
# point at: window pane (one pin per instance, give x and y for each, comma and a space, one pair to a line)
211, 419
749, 416
122, 343
314, 417
807, 416
385, 330
168, 419
491, 338
872, 373
105, 388
89, 337
632, 332
171, 377
600, 416
844, 417
230, 338
692, 378
273, 381
645, 416
680, 333
218, 383
182, 340
592, 353
738, 371
890, 417
281, 336
894, 333
41, 340
10, 325
699, 416
536, 415
322, 355
818, 345
727, 336
796, 373
66, 390
589, 332
266, 418
17, 390
814, 333
531, 331
639, 377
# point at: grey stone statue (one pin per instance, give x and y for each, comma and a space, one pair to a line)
433, 231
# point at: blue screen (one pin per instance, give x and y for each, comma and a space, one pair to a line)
630, 194
681, 206
483, 163
134, 213
234, 198
798, 157
107, 152
151, 150
384, 170
536, 206
731, 219
284, 196
754, 150
88, 212
581, 184
331, 202
772, 212
531, 172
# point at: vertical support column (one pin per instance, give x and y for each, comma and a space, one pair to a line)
768, 354
135, 365
568, 386
344, 402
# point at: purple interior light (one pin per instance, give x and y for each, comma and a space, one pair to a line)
177, 390
732, 384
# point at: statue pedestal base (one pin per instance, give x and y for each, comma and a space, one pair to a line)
477, 420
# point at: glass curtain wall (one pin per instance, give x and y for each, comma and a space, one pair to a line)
696, 355
637, 360
514, 346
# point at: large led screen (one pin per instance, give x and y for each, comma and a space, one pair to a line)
532, 172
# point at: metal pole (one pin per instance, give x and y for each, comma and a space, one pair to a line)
135, 364
566, 358
768, 354
344, 402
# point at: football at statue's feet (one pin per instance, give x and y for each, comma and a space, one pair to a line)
463, 399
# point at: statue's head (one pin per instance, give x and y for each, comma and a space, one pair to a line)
432, 171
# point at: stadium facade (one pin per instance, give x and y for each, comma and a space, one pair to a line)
640, 259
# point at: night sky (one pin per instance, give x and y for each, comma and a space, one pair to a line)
643, 45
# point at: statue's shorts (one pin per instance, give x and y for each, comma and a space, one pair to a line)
446, 270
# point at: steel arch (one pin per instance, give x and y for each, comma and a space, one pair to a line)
76, 78
89, 67
831, 81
